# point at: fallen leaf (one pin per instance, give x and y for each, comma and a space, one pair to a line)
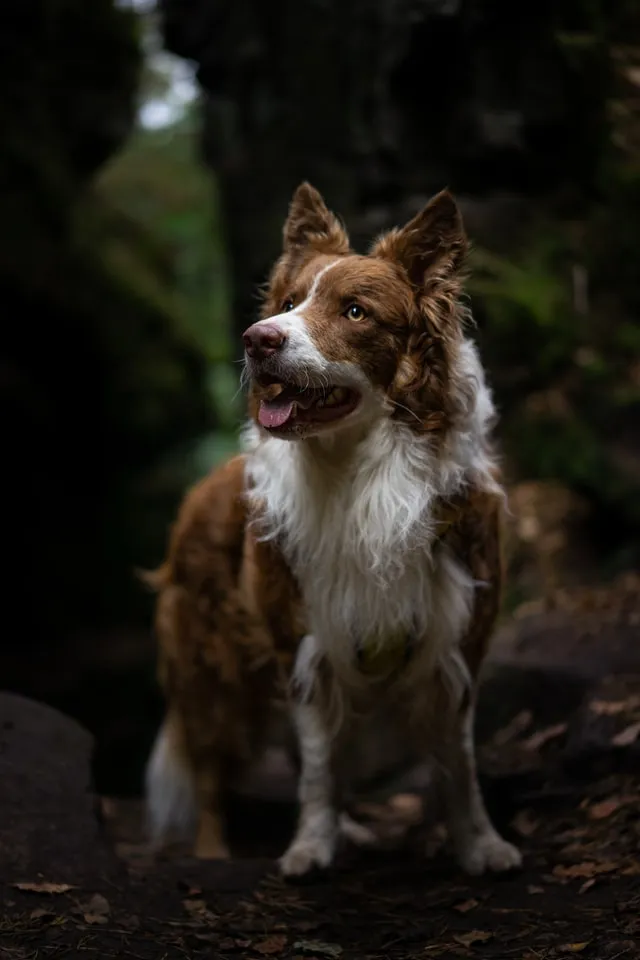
604, 809
538, 740
514, 728
525, 823
271, 945
40, 914
474, 936
465, 906
96, 910
587, 885
611, 708
194, 906
628, 736
98, 905
573, 947
318, 948
44, 887
532, 889
199, 912
588, 869
94, 918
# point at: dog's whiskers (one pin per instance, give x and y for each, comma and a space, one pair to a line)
401, 406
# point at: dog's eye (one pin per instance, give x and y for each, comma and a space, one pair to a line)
355, 312
287, 305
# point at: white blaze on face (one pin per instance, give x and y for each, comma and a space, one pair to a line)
300, 349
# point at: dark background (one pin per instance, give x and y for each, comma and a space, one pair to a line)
140, 208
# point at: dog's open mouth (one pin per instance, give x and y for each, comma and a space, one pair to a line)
286, 405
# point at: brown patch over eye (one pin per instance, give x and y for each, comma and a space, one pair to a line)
355, 312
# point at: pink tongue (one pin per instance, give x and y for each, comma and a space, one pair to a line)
274, 414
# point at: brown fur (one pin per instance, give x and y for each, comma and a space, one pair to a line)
229, 614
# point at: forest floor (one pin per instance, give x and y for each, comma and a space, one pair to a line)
560, 762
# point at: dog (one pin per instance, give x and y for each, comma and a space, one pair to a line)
341, 577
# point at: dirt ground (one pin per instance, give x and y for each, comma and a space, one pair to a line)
561, 778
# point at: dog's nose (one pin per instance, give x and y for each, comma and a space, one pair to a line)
263, 340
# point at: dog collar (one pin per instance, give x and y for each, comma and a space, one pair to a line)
384, 657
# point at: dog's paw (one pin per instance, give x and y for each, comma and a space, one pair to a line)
488, 852
305, 855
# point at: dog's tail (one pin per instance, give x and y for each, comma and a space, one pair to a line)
170, 792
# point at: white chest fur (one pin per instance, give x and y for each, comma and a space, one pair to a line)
354, 515
358, 537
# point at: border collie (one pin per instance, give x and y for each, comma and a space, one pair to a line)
343, 574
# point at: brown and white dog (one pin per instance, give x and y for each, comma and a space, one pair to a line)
345, 570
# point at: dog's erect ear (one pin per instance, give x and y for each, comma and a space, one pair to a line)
432, 244
311, 224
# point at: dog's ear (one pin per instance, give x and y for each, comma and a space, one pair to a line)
432, 245
432, 249
311, 224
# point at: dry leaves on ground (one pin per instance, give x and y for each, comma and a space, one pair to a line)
538, 740
40, 914
198, 910
52, 888
271, 945
513, 729
581, 871
319, 949
472, 937
605, 808
465, 906
611, 708
628, 736
94, 911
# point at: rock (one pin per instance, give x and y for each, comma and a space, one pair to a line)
603, 736
49, 827
549, 655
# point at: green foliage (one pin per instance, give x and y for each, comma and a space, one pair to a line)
158, 182
528, 310
170, 248
561, 334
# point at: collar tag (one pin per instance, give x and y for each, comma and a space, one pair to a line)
382, 656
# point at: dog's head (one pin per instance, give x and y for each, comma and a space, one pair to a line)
346, 338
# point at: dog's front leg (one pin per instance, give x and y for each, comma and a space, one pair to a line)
316, 836
477, 844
